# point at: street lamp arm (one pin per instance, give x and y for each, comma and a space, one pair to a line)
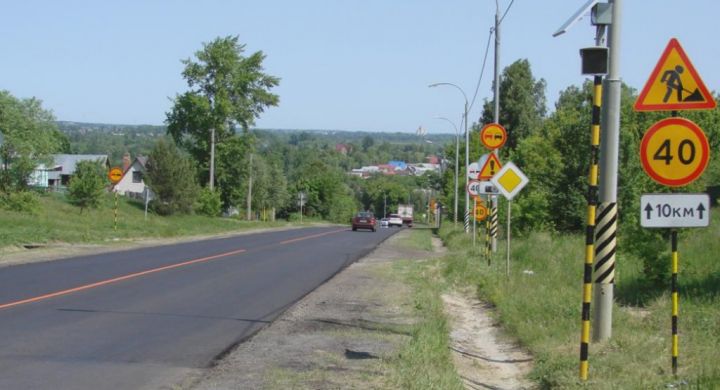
451, 122
452, 85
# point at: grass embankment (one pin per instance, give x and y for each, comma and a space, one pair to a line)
540, 305
58, 221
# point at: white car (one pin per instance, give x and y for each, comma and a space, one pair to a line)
384, 223
395, 220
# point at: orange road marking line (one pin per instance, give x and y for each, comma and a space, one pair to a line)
118, 279
307, 237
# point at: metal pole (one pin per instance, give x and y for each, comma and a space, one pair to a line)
212, 158
457, 162
507, 260
592, 195
607, 199
675, 303
467, 163
474, 221
249, 196
496, 117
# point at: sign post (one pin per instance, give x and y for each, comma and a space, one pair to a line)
115, 175
510, 180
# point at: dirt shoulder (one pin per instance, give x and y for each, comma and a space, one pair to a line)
343, 334
335, 337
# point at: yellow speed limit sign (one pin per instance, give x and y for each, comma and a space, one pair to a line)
674, 152
481, 212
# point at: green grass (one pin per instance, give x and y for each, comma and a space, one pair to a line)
419, 239
542, 309
425, 361
58, 221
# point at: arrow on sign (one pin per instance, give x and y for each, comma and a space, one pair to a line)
648, 210
700, 210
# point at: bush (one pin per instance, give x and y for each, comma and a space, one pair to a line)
208, 203
87, 185
24, 202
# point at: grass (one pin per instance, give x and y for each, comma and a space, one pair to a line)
425, 361
58, 221
540, 304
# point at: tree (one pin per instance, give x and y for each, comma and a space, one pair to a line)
87, 185
522, 103
171, 177
227, 90
28, 135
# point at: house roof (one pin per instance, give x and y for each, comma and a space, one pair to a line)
67, 162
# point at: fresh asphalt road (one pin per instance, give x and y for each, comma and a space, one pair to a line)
146, 318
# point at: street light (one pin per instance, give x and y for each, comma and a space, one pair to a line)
457, 152
467, 152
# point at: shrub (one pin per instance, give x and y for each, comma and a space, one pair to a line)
24, 202
208, 203
87, 185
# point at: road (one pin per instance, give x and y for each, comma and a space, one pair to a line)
146, 318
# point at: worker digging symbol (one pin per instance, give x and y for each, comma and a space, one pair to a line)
673, 81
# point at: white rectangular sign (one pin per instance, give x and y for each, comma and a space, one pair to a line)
482, 187
674, 210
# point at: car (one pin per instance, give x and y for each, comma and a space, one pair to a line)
384, 222
364, 220
395, 220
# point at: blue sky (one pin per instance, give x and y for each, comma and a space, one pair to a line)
344, 64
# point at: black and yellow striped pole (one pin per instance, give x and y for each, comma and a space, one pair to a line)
590, 228
675, 303
116, 212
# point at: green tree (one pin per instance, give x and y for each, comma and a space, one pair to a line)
227, 90
171, 177
87, 185
28, 135
522, 103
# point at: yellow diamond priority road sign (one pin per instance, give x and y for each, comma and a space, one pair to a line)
510, 180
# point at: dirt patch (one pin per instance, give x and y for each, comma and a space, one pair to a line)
483, 357
341, 335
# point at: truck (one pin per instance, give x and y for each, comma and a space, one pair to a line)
406, 213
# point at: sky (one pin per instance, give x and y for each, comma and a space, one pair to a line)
360, 65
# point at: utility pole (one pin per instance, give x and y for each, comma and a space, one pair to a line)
496, 119
606, 221
249, 196
212, 159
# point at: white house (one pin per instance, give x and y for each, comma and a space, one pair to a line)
132, 183
62, 168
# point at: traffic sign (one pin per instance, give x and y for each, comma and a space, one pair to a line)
510, 180
674, 152
481, 212
493, 136
674, 84
115, 174
473, 170
490, 168
473, 188
674, 210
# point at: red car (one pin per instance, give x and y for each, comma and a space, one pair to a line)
363, 220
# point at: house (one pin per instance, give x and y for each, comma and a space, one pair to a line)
132, 183
342, 148
59, 172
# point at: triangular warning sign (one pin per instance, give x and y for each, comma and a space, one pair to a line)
491, 167
674, 84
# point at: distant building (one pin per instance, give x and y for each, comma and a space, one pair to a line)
62, 168
342, 148
400, 165
132, 183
